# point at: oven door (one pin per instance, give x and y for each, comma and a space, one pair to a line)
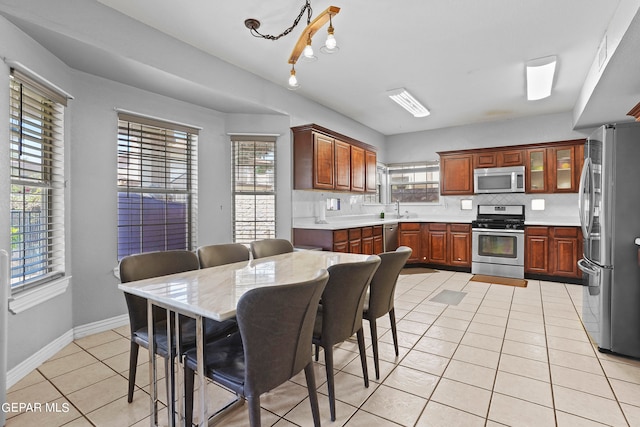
505, 247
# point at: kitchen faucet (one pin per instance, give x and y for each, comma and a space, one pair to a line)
398, 208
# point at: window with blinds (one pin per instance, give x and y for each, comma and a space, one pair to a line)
254, 188
157, 185
36, 144
415, 182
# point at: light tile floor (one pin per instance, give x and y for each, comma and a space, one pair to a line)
502, 356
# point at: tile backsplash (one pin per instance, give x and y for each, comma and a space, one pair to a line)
309, 204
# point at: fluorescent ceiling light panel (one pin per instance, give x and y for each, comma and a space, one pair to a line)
540, 74
408, 102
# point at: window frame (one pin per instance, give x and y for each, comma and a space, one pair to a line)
140, 142
236, 140
37, 160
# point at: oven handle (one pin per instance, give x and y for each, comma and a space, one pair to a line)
494, 231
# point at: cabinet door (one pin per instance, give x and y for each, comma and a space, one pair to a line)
460, 245
565, 252
457, 174
378, 246
485, 160
342, 165
341, 247
536, 170
562, 177
411, 238
323, 162
367, 245
579, 162
437, 241
511, 158
371, 171
357, 168
536, 250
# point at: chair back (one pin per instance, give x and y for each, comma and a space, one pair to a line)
383, 283
343, 299
228, 253
276, 326
147, 265
270, 247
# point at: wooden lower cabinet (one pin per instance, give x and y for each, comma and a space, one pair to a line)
553, 251
358, 240
437, 243
409, 235
460, 245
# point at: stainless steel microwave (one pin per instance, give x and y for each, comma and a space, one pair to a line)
499, 180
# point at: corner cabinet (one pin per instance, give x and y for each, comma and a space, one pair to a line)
409, 235
326, 160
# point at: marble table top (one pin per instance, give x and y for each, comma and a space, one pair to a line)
214, 292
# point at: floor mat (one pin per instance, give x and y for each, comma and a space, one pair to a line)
499, 280
449, 297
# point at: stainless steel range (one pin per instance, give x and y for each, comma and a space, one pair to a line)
498, 241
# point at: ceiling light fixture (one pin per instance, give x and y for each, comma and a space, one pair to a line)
540, 73
408, 102
303, 46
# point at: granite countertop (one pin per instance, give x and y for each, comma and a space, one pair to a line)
338, 223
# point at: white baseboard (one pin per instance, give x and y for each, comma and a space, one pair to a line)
27, 366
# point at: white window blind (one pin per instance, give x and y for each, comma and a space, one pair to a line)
37, 182
254, 188
415, 182
157, 185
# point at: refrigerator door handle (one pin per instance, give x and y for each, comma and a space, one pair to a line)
586, 174
592, 270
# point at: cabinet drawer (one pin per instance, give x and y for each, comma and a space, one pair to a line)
377, 230
537, 231
461, 228
438, 226
410, 226
565, 231
340, 236
355, 233
367, 231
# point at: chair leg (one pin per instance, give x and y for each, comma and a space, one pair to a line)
363, 356
394, 332
254, 411
374, 343
328, 361
317, 351
133, 367
189, 379
313, 393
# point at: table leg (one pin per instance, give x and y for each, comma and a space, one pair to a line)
180, 367
171, 379
152, 365
201, 377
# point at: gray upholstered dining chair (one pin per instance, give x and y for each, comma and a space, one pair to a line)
380, 297
270, 247
155, 264
340, 315
226, 253
273, 344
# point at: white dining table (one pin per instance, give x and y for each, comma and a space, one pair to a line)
214, 293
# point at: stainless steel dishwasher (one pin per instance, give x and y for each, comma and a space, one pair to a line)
390, 235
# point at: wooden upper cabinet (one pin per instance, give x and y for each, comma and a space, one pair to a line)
457, 174
357, 169
562, 167
371, 171
342, 165
485, 160
327, 160
511, 158
536, 171
323, 173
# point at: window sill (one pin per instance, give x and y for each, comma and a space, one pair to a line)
32, 297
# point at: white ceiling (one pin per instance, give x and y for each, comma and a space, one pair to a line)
464, 59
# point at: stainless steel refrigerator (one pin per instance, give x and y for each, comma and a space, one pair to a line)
609, 205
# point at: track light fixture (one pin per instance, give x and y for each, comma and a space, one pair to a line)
303, 46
